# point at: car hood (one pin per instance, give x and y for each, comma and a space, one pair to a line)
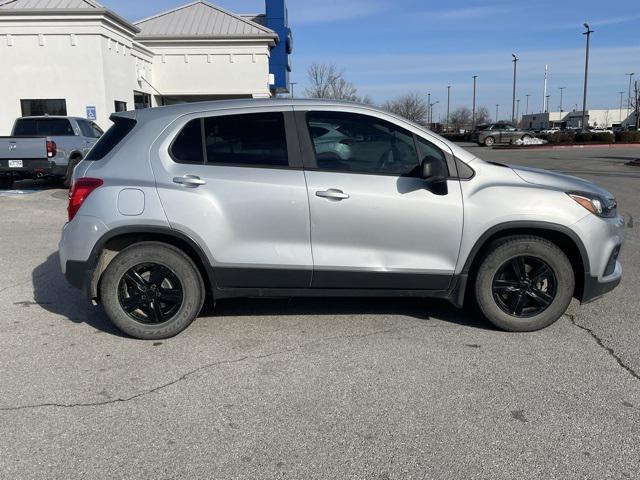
559, 181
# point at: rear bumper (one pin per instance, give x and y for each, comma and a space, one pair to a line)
32, 168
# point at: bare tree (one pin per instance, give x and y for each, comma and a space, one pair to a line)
460, 117
326, 80
411, 106
482, 115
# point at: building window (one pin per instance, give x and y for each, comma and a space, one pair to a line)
120, 106
141, 100
37, 107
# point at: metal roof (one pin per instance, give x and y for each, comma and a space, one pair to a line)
201, 20
48, 4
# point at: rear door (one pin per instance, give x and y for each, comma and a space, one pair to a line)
374, 222
233, 181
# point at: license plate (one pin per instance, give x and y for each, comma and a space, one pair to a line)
15, 163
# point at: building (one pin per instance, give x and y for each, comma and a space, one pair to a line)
76, 57
605, 118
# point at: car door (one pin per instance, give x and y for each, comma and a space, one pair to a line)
374, 222
233, 182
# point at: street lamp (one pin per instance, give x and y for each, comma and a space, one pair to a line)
513, 100
448, 104
473, 114
561, 92
428, 108
527, 107
431, 112
588, 33
621, 94
497, 107
630, 75
547, 99
517, 111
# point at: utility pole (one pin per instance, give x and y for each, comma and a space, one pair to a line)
561, 92
513, 100
448, 104
630, 75
429, 110
517, 112
527, 107
292, 84
473, 114
497, 107
586, 78
544, 95
621, 94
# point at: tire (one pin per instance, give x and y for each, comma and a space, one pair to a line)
180, 285
489, 141
518, 306
6, 183
73, 162
526, 137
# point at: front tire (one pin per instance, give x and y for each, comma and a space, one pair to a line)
524, 284
489, 141
152, 291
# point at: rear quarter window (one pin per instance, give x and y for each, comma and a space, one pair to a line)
119, 130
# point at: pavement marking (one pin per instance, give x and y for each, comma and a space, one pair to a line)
13, 193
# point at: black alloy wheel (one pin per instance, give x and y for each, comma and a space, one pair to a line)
150, 293
524, 286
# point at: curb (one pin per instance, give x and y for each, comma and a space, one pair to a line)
566, 147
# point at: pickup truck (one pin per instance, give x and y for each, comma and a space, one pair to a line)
45, 147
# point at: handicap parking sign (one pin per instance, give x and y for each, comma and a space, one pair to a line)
91, 113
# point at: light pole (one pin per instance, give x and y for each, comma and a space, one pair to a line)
448, 105
561, 92
527, 107
513, 99
473, 114
586, 77
428, 109
292, 84
621, 94
497, 107
547, 99
517, 111
431, 112
630, 75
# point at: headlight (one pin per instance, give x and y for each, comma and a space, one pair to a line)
602, 207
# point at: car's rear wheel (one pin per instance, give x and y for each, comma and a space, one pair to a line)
489, 141
524, 284
6, 183
526, 137
152, 291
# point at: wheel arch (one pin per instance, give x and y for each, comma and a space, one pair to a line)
118, 239
560, 235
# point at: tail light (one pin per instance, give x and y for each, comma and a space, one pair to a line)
80, 190
52, 149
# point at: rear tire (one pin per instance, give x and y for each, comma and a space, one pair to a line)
152, 291
73, 162
6, 183
489, 141
529, 301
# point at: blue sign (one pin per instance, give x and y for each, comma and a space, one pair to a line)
91, 113
279, 63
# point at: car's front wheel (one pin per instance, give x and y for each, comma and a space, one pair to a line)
152, 291
524, 284
489, 141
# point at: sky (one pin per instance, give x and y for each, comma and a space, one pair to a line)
391, 47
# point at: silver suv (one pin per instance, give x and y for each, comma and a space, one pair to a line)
248, 198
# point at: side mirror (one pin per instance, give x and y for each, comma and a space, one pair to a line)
434, 170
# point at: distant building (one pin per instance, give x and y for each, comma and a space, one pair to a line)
76, 57
595, 118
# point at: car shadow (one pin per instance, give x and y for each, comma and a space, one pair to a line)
54, 294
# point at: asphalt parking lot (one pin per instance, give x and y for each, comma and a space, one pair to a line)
306, 389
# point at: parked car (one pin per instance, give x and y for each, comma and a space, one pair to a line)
233, 199
488, 135
45, 147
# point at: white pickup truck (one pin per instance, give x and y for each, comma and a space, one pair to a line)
45, 147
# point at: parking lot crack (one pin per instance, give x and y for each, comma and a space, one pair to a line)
601, 344
205, 367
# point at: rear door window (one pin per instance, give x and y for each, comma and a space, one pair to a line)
118, 131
